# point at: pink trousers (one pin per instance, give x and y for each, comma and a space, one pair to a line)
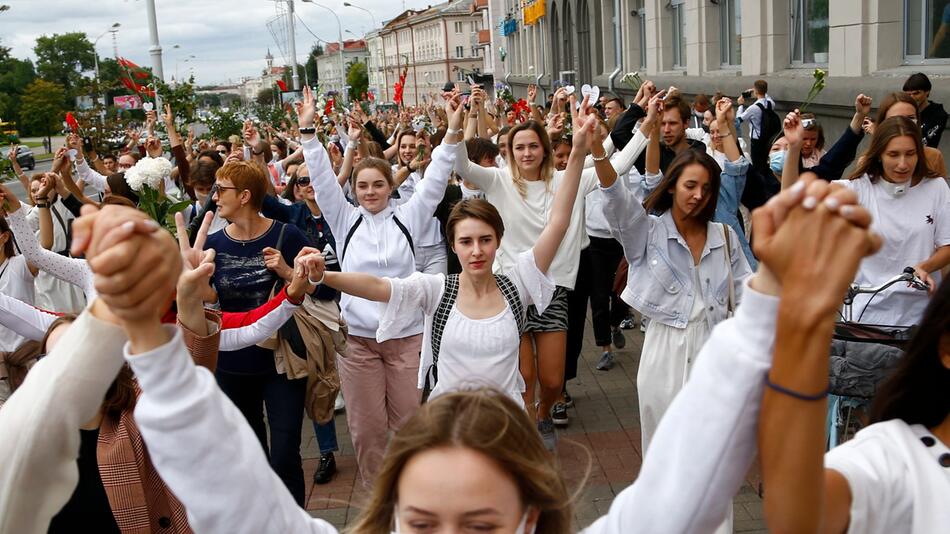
379, 385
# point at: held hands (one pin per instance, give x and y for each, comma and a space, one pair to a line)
455, 111
725, 114
300, 283
812, 238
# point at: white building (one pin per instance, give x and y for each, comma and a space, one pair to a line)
867, 46
438, 44
329, 70
251, 87
375, 65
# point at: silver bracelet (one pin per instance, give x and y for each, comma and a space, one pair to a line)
317, 282
450, 131
595, 158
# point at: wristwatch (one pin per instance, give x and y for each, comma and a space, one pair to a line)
308, 130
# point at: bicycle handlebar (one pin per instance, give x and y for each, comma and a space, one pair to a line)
908, 276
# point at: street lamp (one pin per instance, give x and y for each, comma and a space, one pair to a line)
95, 54
375, 26
340, 32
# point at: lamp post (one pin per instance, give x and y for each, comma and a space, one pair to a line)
95, 54
340, 32
375, 26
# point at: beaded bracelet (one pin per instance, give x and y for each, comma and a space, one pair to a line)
794, 394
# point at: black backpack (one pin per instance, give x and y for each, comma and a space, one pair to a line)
771, 123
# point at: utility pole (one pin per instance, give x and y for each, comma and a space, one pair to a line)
293, 45
155, 50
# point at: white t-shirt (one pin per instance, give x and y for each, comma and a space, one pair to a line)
473, 352
913, 226
16, 281
897, 481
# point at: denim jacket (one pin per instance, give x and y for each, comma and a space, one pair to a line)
660, 275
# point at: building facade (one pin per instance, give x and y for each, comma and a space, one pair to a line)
867, 46
331, 72
437, 45
249, 88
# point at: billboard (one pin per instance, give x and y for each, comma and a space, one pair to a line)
128, 102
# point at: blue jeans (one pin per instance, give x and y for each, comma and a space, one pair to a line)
283, 399
326, 437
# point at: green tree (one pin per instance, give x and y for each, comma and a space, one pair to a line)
181, 97
312, 73
288, 76
15, 75
41, 107
358, 79
265, 96
223, 123
62, 58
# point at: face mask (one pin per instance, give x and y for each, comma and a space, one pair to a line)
894, 190
777, 161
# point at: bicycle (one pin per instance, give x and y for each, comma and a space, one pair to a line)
862, 356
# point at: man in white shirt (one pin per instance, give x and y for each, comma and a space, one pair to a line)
753, 115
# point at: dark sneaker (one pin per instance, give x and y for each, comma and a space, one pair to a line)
559, 414
567, 399
629, 323
606, 362
326, 470
618, 338
548, 434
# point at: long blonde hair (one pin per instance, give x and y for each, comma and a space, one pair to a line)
547, 164
486, 421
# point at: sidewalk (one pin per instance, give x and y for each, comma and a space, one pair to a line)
602, 442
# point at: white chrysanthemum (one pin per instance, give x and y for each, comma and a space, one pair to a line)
148, 171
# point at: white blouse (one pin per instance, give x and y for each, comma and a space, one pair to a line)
73, 270
16, 281
474, 352
899, 476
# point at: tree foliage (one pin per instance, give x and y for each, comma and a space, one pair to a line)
62, 58
15, 75
181, 97
311, 65
357, 78
224, 122
41, 107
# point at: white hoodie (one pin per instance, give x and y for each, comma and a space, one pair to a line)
378, 246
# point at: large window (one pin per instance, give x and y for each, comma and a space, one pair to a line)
679, 33
926, 30
459, 51
730, 36
809, 32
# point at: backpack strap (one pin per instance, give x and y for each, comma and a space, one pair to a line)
405, 232
349, 235
513, 296
441, 316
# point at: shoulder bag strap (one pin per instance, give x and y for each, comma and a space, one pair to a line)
732, 290
280, 242
441, 316
349, 235
510, 291
66, 229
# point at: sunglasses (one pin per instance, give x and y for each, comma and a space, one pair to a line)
222, 152
303, 180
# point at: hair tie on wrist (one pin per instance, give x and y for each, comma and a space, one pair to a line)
795, 394
317, 282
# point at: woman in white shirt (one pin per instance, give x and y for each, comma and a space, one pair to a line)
911, 211
894, 476
523, 193
378, 379
16, 280
474, 319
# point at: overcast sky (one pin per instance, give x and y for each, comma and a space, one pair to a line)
229, 37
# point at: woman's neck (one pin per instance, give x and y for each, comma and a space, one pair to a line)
531, 175
314, 208
248, 227
942, 431
687, 224
479, 284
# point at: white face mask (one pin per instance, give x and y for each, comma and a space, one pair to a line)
893, 189
521, 529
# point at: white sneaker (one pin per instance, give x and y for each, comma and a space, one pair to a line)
339, 406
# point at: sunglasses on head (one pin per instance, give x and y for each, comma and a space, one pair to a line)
303, 180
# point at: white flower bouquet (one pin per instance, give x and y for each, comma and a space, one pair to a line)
147, 179
632, 80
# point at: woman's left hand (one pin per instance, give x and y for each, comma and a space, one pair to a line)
274, 261
926, 278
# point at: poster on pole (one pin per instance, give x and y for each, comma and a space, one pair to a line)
127, 102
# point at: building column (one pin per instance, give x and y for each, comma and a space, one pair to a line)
848, 37
885, 34
659, 37
765, 36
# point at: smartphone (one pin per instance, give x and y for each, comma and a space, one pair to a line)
808, 124
746, 94
87, 144
471, 81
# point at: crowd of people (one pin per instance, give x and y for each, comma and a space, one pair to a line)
434, 267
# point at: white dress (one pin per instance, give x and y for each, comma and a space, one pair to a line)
474, 352
52, 293
16, 281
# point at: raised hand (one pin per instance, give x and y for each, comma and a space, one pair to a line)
197, 264
335, 157
306, 110
153, 147
9, 202
532, 93
584, 137
168, 117
725, 114
455, 111
862, 105
48, 184
312, 265
555, 125
11, 155
793, 128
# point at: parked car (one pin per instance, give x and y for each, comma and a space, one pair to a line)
24, 157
